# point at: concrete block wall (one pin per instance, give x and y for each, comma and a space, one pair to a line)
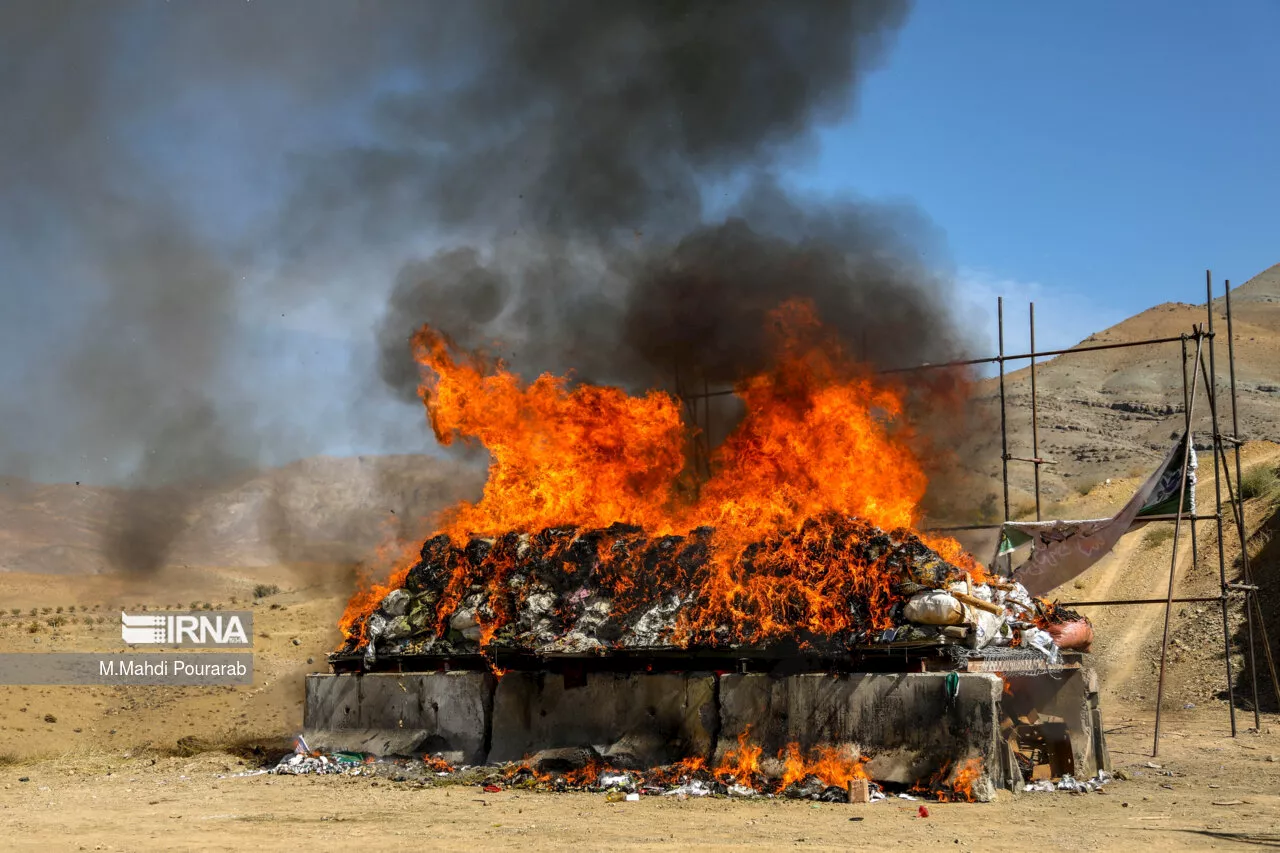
910, 725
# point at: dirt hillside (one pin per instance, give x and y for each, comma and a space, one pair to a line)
1111, 413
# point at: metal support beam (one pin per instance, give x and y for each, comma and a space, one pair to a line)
1004, 432
1173, 563
1219, 471
1035, 428
1253, 607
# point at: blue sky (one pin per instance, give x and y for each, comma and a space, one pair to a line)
1095, 156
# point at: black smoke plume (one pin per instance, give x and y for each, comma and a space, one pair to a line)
597, 184
583, 149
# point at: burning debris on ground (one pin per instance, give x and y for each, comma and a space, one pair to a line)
829, 774
825, 774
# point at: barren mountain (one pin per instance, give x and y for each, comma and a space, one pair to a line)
1112, 413
319, 510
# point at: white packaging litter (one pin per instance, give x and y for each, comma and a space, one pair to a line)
934, 607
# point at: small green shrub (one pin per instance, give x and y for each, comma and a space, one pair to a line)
262, 590
1158, 535
1260, 482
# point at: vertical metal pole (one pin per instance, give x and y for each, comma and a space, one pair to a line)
1211, 393
1236, 500
1220, 454
1004, 433
1173, 561
1252, 605
1186, 414
1231, 500
1035, 426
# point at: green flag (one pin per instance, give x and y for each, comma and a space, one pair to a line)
1061, 550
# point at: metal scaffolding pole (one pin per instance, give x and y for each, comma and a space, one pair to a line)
1238, 511
1173, 561
1035, 427
1211, 392
1253, 607
1186, 413
1004, 432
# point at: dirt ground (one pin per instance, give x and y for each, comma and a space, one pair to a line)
1221, 793
154, 768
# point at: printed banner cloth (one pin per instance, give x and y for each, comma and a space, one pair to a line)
1062, 550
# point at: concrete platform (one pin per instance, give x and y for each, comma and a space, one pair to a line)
636, 720
910, 725
401, 714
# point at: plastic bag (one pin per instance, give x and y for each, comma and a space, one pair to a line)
934, 607
986, 627
1074, 636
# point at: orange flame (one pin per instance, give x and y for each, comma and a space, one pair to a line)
436, 764
953, 786
832, 764
741, 765
820, 435
962, 784
368, 595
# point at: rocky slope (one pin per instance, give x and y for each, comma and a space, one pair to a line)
1111, 413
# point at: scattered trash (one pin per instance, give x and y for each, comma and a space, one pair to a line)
615, 780
923, 812
859, 791
689, 778
1228, 802
1070, 783
696, 788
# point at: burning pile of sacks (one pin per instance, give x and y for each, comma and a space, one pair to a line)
833, 584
